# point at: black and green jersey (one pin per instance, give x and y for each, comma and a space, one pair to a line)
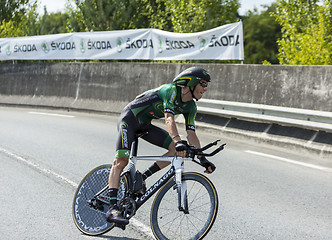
154, 103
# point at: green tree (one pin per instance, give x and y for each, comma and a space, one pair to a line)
306, 32
261, 33
102, 15
8, 29
199, 15
154, 14
12, 10
18, 18
53, 23
170, 15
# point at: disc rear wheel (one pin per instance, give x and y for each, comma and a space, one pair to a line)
89, 210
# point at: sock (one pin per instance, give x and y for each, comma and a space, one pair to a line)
113, 196
151, 170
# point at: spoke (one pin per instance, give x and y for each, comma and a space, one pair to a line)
173, 219
195, 198
197, 206
194, 216
193, 224
175, 224
168, 211
170, 225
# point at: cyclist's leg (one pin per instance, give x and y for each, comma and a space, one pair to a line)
127, 127
171, 152
124, 140
119, 164
160, 138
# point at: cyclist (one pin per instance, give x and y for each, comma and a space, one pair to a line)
166, 101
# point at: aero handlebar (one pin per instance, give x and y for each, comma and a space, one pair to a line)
193, 151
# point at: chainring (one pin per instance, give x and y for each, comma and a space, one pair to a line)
128, 206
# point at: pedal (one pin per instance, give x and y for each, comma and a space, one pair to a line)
97, 205
123, 227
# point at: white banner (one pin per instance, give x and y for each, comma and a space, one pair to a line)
222, 43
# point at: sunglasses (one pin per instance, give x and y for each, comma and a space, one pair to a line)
203, 84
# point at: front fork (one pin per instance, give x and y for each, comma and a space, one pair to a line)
181, 188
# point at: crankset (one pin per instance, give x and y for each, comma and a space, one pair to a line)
128, 206
96, 204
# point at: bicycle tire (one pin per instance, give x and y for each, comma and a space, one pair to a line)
168, 222
87, 219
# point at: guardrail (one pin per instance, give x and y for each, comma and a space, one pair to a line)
303, 118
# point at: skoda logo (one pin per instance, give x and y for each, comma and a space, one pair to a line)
45, 47
119, 43
8, 50
160, 48
202, 43
82, 46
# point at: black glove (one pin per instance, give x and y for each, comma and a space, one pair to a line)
181, 146
206, 163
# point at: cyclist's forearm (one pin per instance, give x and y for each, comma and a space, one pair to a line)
171, 127
193, 139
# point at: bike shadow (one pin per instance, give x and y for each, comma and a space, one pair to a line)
114, 238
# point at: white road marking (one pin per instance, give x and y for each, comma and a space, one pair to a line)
38, 167
52, 114
139, 226
290, 161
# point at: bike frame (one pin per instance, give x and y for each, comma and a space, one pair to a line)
176, 169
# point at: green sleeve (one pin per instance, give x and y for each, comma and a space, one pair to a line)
190, 116
168, 94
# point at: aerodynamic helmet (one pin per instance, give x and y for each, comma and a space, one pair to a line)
191, 77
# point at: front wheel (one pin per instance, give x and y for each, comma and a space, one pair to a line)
202, 201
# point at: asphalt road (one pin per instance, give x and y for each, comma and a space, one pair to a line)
264, 192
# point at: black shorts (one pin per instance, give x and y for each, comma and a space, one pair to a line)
128, 126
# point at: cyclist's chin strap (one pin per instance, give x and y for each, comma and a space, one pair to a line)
192, 92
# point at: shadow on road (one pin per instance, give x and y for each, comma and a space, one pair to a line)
111, 237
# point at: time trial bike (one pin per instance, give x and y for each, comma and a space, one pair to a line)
195, 196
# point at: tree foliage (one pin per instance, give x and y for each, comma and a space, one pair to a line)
53, 23
306, 32
18, 18
170, 15
261, 33
12, 10
199, 15
102, 15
